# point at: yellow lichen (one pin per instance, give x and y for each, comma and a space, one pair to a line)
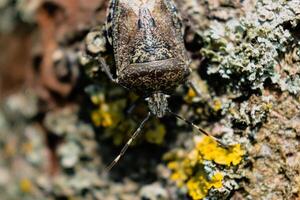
181, 171
156, 134
199, 185
267, 106
217, 105
121, 131
210, 150
201, 87
117, 125
190, 95
188, 167
101, 116
25, 185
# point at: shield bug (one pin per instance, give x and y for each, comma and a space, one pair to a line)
150, 57
149, 52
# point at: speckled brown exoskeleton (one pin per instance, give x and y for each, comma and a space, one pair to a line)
148, 46
150, 57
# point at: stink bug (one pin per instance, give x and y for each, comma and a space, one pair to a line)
150, 57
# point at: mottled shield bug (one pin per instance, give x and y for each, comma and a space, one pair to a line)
150, 57
149, 52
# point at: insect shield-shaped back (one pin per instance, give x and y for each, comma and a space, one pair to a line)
148, 45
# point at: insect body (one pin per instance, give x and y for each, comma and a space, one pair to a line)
149, 52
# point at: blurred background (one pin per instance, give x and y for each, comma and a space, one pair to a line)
62, 121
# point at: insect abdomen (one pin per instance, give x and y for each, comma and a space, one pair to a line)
149, 77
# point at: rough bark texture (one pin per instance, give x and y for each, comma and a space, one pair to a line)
62, 121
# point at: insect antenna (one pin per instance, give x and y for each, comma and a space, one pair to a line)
132, 138
198, 128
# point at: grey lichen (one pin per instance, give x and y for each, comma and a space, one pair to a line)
247, 51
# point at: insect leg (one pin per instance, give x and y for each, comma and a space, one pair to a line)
106, 69
132, 138
198, 128
199, 91
192, 84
